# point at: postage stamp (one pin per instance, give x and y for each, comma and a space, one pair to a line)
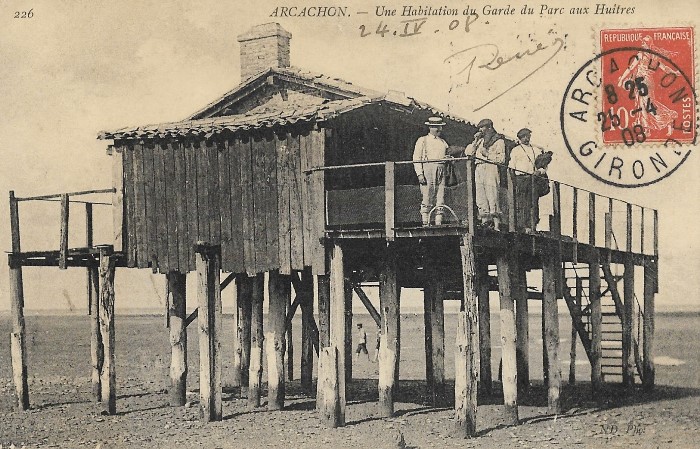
643, 91
629, 115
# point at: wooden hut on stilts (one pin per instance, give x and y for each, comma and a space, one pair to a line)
308, 178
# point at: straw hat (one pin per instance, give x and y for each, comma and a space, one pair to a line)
435, 122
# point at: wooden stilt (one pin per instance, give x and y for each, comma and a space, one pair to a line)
109, 373
97, 354
177, 291
18, 335
596, 322
574, 332
650, 280
307, 318
279, 289
348, 332
508, 337
256, 341
331, 403
628, 362
545, 360
241, 355
209, 324
466, 373
388, 348
485, 376
428, 298
323, 295
522, 324
289, 339
550, 271
437, 332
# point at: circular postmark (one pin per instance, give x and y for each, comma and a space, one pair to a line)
628, 116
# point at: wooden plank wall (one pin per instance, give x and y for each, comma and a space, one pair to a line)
250, 195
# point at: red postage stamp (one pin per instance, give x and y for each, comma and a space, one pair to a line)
647, 86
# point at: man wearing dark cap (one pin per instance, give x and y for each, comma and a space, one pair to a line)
431, 174
489, 149
522, 161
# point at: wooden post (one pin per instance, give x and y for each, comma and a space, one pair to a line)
596, 321
209, 324
348, 331
650, 273
574, 333
307, 319
18, 335
329, 402
522, 323
279, 291
482, 286
550, 271
508, 337
241, 354
109, 373
323, 295
434, 329
466, 354
628, 362
88, 244
388, 348
63, 251
97, 354
289, 340
337, 330
177, 312
256, 342
389, 200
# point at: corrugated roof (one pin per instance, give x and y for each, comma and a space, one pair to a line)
280, 114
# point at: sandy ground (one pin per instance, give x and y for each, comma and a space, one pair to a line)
64, 415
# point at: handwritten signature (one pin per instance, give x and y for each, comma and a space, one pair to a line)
495, 61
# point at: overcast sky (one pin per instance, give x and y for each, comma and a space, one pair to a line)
78, 67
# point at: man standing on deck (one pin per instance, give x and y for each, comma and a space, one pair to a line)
522, 161
431, 175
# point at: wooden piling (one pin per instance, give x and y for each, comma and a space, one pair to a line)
522, 323
388, 347
328, 403
279, 291
348, 332
650, 273
209, 326
485, 376
241, 354
550, 271
596, 321
337, 331
63, 245
18, 335
323, 295
256, 342
574, 332
177, 312
466, 373
628, 362
508, 337
97, 354
307, 321
434, 316
109, 373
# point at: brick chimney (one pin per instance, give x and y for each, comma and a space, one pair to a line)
262, 47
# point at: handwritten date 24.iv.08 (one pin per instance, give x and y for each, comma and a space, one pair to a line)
414, 27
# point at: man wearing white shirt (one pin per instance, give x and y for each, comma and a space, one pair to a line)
431, 175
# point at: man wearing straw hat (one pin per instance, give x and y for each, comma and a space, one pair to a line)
431, 174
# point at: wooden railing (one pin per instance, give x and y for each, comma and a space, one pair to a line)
568, 217
65, 199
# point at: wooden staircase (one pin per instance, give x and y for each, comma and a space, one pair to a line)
577, 295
